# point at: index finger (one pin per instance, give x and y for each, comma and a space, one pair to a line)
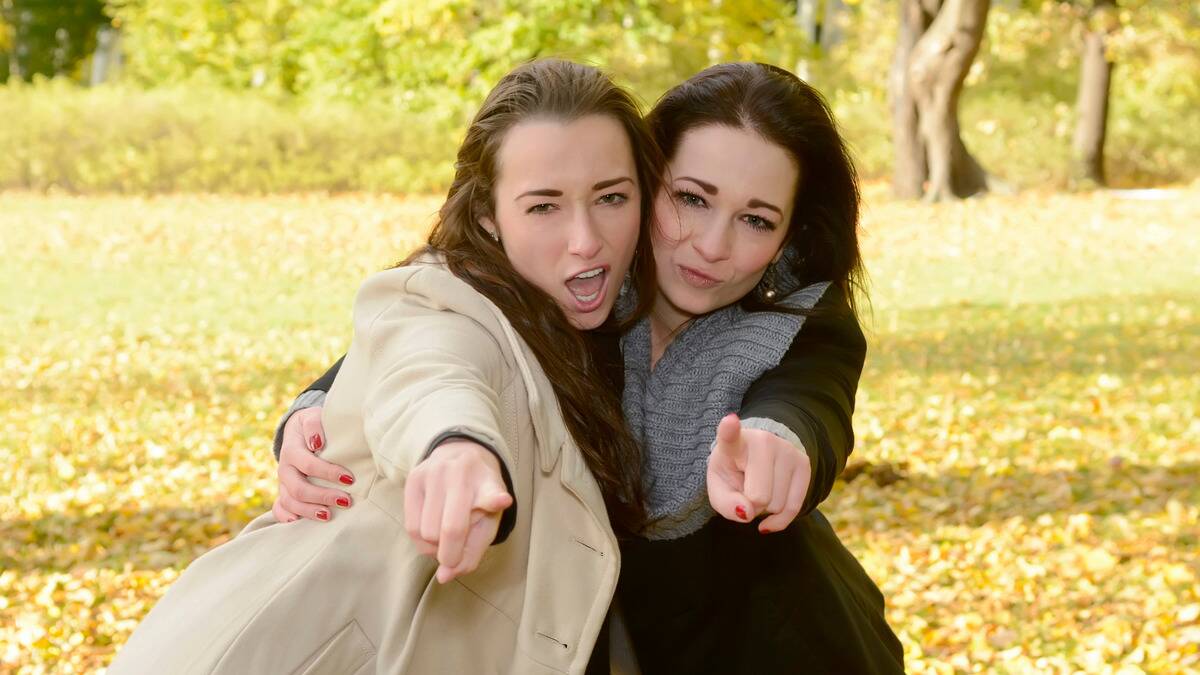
729, 440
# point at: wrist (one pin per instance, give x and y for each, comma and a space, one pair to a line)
459, 448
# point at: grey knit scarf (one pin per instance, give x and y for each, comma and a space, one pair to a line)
674, 409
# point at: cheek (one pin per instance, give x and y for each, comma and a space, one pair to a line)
623, 226
670, 221
528, 248
752, 262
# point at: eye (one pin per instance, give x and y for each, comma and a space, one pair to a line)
690, 199
758, 222
613, 198
541, 208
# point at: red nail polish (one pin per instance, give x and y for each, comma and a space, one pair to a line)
741, 512
316, 442
323, 515
346, 479
343, 502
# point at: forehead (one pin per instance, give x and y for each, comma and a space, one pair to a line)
737, 160
554, 153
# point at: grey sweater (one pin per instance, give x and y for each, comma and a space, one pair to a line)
674, 408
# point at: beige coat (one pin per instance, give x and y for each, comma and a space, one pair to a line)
353, 595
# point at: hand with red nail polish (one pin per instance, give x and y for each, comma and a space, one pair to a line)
303, 439
752, 472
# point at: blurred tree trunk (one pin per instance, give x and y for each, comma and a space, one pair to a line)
833, 31
938, 42
106, 58
910, 171
806, 18
1094, 80
937, 67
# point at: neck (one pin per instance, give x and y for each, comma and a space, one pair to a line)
666, 321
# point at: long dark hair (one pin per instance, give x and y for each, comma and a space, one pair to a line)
822, 239
591, 409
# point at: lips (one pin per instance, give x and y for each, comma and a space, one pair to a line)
696, 278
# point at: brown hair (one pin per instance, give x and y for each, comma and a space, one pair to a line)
591, 409
822, 239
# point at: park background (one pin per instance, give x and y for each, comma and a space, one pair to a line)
192, 190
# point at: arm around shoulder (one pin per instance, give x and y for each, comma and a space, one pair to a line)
811, 392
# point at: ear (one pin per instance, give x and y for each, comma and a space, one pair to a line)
490, 227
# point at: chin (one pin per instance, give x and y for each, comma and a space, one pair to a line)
693, 302
589, 322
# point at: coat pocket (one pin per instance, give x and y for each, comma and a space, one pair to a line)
346, 652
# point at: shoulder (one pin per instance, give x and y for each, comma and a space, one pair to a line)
426, 286
831, 331
431, 308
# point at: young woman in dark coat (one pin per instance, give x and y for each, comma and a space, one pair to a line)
740, 385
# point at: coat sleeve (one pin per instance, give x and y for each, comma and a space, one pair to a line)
430, 374
811, 392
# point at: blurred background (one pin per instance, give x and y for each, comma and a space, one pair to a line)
192, 190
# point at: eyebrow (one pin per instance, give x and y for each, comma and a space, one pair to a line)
549, 192
611, 182
544, 192
707, 187
753, 203
758, 203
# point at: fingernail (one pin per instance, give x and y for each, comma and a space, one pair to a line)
741, 512
343, 502
765, 530
323, 515
346, 479
316, 442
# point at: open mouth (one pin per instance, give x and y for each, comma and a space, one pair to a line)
588, 288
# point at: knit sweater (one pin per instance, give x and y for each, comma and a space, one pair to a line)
674, 408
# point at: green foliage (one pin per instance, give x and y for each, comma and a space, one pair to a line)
272, 95
205, 139
440, 55
47, 37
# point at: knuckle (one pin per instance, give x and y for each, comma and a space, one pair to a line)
308, 493
290, 504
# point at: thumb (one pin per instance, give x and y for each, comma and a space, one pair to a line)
725, 499
492, 497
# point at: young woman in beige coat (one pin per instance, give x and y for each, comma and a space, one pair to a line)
445, 412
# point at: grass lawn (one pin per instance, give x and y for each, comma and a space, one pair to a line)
1033, 382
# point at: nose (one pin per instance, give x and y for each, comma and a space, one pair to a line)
584, 240
712, 241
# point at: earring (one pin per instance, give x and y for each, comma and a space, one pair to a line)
767, 285
495, 236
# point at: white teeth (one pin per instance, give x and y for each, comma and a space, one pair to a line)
587, 298
589, 275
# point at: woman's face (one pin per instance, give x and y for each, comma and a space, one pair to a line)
720, 219
567, 210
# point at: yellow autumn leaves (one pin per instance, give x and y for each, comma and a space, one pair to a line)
1030, 396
